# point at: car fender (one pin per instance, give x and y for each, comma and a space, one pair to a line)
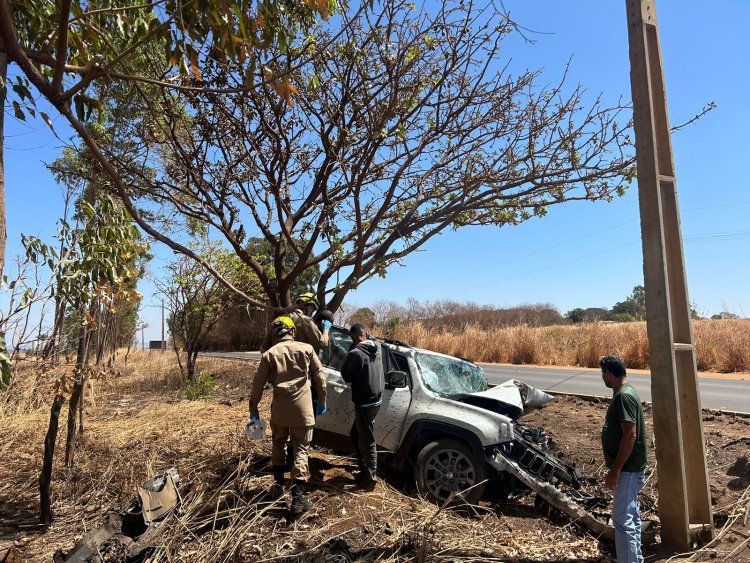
490, 428
422, 432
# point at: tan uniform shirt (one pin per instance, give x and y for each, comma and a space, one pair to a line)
290, 367
305, 331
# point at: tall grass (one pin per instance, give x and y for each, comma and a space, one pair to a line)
142, 425
722, 346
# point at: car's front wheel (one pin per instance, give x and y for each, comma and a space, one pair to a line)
447, 467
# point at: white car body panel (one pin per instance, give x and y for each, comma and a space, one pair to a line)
389, 424
506, 392
402, 407
340, 415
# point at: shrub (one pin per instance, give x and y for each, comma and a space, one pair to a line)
200, 388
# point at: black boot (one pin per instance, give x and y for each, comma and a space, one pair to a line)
300, 503
277, 490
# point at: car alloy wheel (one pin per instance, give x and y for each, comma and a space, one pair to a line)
447, 467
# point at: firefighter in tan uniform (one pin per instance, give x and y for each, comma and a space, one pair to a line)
290, 367
305, 327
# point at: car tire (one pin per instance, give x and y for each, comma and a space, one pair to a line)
450, 466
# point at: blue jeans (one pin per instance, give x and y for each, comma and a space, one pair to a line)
626, 519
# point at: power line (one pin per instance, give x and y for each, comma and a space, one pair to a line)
689, 238
716, 206
517, 258
703, 237
728, 235
606, 251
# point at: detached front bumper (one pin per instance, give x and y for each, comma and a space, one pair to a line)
565, 499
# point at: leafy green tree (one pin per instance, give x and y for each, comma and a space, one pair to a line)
83, 181
99, 274
197, 300
576, 315
591, 314
96, 273
724, 315
69, 50
623, 317
633, 308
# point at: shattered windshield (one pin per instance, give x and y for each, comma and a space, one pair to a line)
449, 376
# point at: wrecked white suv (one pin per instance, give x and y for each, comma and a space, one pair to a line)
440, 421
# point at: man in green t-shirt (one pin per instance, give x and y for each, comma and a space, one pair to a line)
624, 446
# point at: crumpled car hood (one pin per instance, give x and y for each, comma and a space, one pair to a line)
512, 398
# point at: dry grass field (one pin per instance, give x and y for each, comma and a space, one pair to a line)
141, 423
722, 346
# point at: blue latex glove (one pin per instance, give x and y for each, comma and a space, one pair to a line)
254, 417
321, 408
326, 324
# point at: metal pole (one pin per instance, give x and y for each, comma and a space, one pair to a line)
163, 344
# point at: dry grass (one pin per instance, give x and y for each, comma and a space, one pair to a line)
721, 346
141, 424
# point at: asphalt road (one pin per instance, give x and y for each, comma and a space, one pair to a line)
726, 394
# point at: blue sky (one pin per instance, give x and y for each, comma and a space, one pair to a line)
589, 254
582, 254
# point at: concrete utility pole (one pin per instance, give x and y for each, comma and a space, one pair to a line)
684, 500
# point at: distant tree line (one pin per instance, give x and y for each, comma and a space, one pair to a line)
386, 316
631, 309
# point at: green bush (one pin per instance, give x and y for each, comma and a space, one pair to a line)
200, 388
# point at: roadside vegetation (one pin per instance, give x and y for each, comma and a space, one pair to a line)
722, 346
140, 422
538, 334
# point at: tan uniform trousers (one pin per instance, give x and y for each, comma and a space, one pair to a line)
301, 437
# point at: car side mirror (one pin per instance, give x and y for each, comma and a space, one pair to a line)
396, 379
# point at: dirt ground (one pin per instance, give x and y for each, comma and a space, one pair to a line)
141, 424
574, 424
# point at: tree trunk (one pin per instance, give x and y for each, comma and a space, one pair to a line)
51, 347
45, 477
114, 340
102, 329
3, 94
179, 359
192, 357
70, 441
80, 409
76, 395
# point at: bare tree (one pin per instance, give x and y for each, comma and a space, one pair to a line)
358, 148
407, 127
